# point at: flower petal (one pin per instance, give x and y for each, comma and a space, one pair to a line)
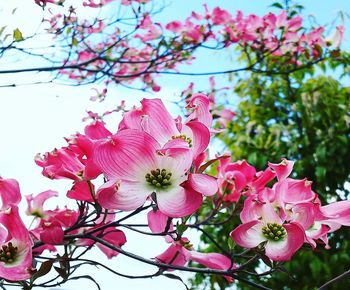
178, 201
157, 222
152, 118
248, 235
123, 195
203, 183
200, 135
9, 192
128, 155
282, 169
284, 250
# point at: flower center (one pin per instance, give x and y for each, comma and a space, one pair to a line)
8, 253
159, 178
183, 137
274, 232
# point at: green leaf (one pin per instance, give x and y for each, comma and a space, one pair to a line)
231, 244
181, 228
74, 42
2, 29
17, 35
277, 5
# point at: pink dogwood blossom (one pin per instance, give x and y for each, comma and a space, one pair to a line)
16, 247
137, 167
281, 240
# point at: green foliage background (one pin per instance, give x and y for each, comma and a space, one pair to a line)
302, 115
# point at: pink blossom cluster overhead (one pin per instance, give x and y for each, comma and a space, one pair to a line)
109, 52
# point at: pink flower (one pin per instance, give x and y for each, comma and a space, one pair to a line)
221, 16
36, 204
174, 26
61, 163
281, 240
337, 37
111, 235
282, 169
16, 250
200, 106
51, 233
153, 118
137, 167
181, 251
81, 191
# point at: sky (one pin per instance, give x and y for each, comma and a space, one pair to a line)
35, 118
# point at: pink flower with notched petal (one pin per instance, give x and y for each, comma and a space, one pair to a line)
16, 247
154, 119
281, 239
282, 169
36, 204
137, 167
337, 37
221, 16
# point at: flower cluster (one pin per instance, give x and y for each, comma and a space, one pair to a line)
281, 218
157, 162
100, 48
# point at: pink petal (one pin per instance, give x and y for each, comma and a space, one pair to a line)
213, 261
152, 118
202, 183
303, 214
81, 191
269, 215
123, 195
178, 201
115, 237
263, 177
97, 130
173, 255
338, 212
157, 222
282, 169
9, 192
35, 204
52, 233
200, 136
294, 191
283, 250
176, 148
251, 210
18, 235
176, 162
200, 103
128, 155
244, 168
248, 235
